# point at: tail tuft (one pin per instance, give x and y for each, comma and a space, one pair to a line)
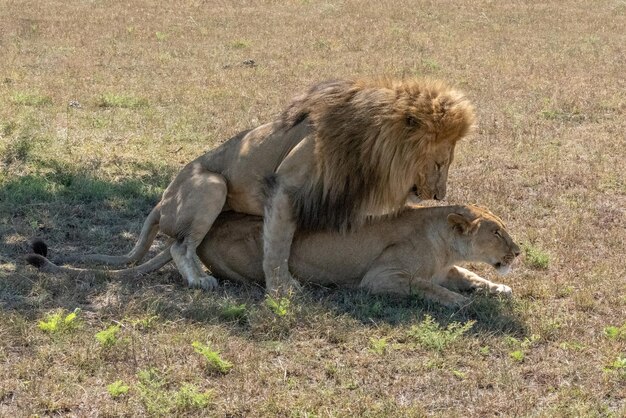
39, 247
37, 260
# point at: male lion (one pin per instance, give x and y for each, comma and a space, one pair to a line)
415, 252
342, 152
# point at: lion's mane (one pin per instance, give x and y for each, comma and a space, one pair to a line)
371, 141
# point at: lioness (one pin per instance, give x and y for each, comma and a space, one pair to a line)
415, 252
339, 154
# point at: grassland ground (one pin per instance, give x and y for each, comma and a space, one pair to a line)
102, 102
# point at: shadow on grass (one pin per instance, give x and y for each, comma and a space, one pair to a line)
164, 295
82, 209
491, 315
66, 204
60, 185
70, 207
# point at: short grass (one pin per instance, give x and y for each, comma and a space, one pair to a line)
101, 103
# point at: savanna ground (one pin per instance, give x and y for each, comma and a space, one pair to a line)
101, 102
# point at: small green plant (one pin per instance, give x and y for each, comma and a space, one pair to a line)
378, 345
535, 257
117, 389
431, 335
517, 355
150, 388
144, 323
233, 312
521, 347
58, 322
571, 346
212, 357
159, 401
108, 337
161, 36
617, 366
30, 99
121, 101
459, 374
189, 398
619, 363
279, 306
616, 333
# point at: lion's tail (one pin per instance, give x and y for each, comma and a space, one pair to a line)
43, 264
142, 246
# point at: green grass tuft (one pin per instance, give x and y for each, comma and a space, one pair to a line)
213, 358
535, 257
108, 337
29, 99
189, 398
59, 322
517, 355
378, 345
279, 306
233, 311
616, 333
240, 44
433, 336
117, 389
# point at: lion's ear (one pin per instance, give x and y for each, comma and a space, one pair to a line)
462, 224
412, 121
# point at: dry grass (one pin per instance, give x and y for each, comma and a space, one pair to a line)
101, 102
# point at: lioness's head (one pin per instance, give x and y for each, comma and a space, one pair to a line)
436, 117
486, 238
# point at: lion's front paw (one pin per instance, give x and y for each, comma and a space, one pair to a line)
204, 282
502, 289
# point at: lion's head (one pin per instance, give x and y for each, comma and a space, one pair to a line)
376, 142
485, 238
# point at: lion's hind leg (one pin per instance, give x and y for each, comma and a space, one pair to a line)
459, 278
188, 212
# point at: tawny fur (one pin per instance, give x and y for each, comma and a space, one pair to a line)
413, 253
341, 153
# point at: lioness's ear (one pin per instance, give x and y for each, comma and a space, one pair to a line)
461, 224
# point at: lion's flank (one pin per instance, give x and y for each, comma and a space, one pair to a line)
370, 138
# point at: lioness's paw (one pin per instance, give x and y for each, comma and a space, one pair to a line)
205, 282
502, 289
